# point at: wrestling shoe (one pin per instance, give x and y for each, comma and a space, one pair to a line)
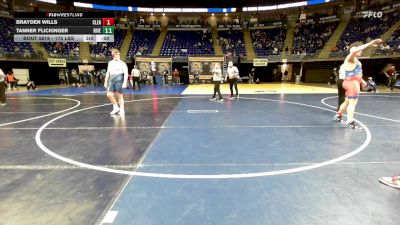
115, 111
337, 118
352, 125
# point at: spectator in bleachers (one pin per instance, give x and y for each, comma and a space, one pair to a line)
102, 50
232, 41
264, 41
8, 46
393, 41
183, 43
143, 42
228, 56
365, 29
310, 38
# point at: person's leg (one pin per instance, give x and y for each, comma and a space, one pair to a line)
392, 83
342, 108
343, 101
352, 93
215, 91
2, 93
137, 79
219, 91
341, 93
112, 99
119, 92
121, 103
389, 81
231, 87
236, 88
115, 86
132, 83
350, 109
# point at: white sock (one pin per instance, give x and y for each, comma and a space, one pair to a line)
115, 106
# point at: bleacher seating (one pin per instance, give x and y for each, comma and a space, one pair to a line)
232, 41
184, 43
143, 42
7, 44
364, 29
393, 44
102, 49
268, 41
59, 49
310, 38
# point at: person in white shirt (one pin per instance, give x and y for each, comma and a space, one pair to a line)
135, 77
233, 76
217, 79
116, 79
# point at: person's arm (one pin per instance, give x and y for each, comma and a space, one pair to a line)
107, 76
375, 43
364, 84
2, 76
386, 74
354, 50
236, 72
125, 69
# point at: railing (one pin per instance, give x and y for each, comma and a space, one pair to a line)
386, 52
378, 53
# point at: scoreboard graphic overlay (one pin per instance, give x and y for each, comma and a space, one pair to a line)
64, 27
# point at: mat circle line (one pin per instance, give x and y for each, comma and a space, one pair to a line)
199, 176
50, 114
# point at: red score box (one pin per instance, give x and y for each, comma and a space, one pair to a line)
108, 21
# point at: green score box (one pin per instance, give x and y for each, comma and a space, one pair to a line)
108, 30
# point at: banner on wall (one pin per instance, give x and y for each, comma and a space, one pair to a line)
148, 66
204, 65
57, 62
260, 62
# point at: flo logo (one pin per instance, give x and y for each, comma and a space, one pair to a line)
372, 14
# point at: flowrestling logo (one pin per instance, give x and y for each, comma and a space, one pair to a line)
372, 14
